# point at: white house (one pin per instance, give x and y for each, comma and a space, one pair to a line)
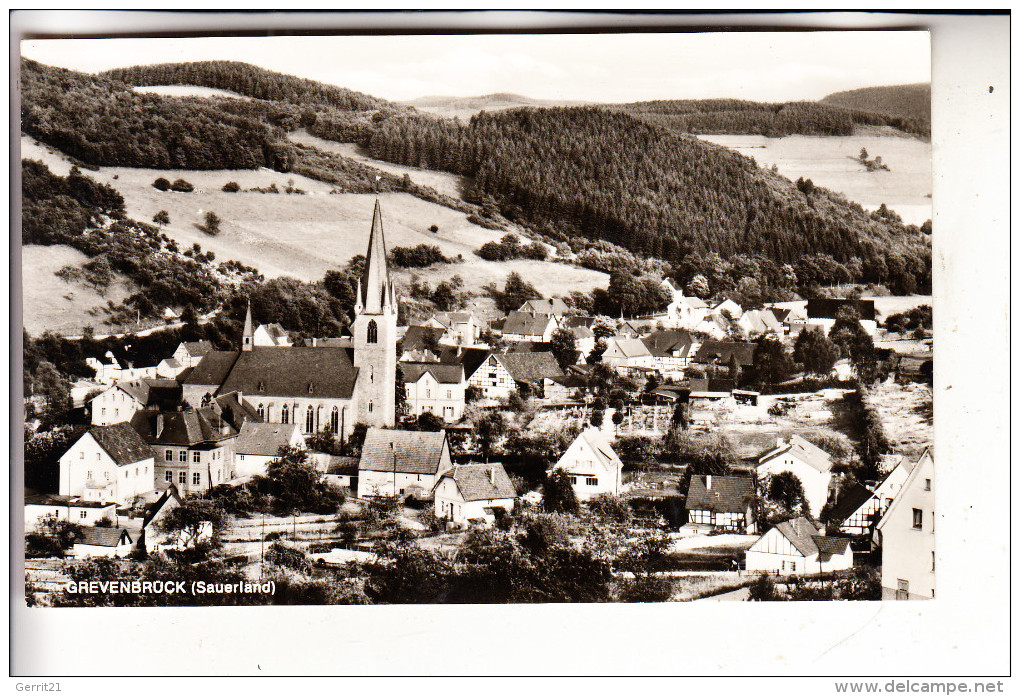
257, 444
169, 368
190, 353
529, 326
728, 308
501, 373
683, 312
120, 402
627, 353
338, 470
39, 507
272, 335
671, 351
756, 322
592, 465
473, 492
108, 463
798, 546
113, 542
434, 388
907, 534
809, 463
459, 328
864, 516
402, 462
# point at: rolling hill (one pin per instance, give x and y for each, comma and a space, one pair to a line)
903, 101
466, 107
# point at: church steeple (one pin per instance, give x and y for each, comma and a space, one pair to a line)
376, 291
248, 335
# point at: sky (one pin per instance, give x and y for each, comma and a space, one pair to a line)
759, 66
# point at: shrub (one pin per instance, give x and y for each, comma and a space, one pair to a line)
231, 187
161, 184
433, 229
647, 589
161, 218
182, 186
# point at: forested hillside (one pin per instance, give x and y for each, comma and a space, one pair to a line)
606, 175
738, 117
905, 101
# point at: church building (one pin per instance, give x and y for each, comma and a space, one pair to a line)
323, 387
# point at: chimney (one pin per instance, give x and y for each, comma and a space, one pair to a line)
159, 425
708, 482
492, 475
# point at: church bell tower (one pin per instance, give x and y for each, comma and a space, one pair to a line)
375, 334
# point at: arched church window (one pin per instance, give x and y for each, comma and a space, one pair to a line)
261, 411
369, 406
373, 332
285, 414
334, 421
371, 373
310, 420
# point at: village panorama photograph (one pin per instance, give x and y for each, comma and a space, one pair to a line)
476, 319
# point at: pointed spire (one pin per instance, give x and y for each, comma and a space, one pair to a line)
248, 335
375, 280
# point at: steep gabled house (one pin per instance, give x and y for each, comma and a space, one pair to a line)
257, 444
113, 542
627, 354
529, 326
809, 463
501, 373
471, 492
459, 328
592, 465
671, 350
402, 462
721, 502
683, 312
190, 353
271, 335
154, 538
554, 306
906, 534
118, 403
717, 355
434, 388
798, 547
108, 463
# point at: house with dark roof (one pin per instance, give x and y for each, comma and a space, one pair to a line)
473, 492
339, 470
711, 389
113, 542
864, 518
822, 313
108, 463
119, 402
721, 502
796, 547
529, 326
720, 353
421, 338
501, 373
434, 388
671, 350
194, 448
459, 328
809, 463
43, 506
257, 444
189, 353
554, 306
402, 462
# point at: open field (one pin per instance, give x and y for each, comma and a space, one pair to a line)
305, 235
829, 162
188, 91
907, 415
447, 184
51, 303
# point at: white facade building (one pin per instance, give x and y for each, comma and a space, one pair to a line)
907, 532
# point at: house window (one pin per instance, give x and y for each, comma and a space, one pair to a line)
310, 420
428, 393
182, 456
573, 480
918, 520
83, 514
449, 393
373, 332
106, 475
196, 457
196, 478
81, 455
169, 476
933, 561
89, 475
591, 481
902, 589
927, 484
285, 414
103, 411
169, 456
182, 477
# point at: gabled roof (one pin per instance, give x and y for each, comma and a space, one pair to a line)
470, 358
419, 356
552, 306
197, 348
274, 331
212, 369
907, 485
264, 439
712, 386
444, 374
830, 546
64, 501
760, 321
293, 372
451, 319
421, 337
102, 536
170, 497
581, 332
481, 481
529, 347
527, 323
529, 367
630, 347
810, 454
235, 410
727, 494
122, 442
182, 428
721, 351
800, 531
828, 308
405, 451
600, 448
170, 362
666, 343
849, 501
149, 391
338, 465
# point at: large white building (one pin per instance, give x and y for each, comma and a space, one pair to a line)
108, 463
402, 462
434, 388
907, 533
